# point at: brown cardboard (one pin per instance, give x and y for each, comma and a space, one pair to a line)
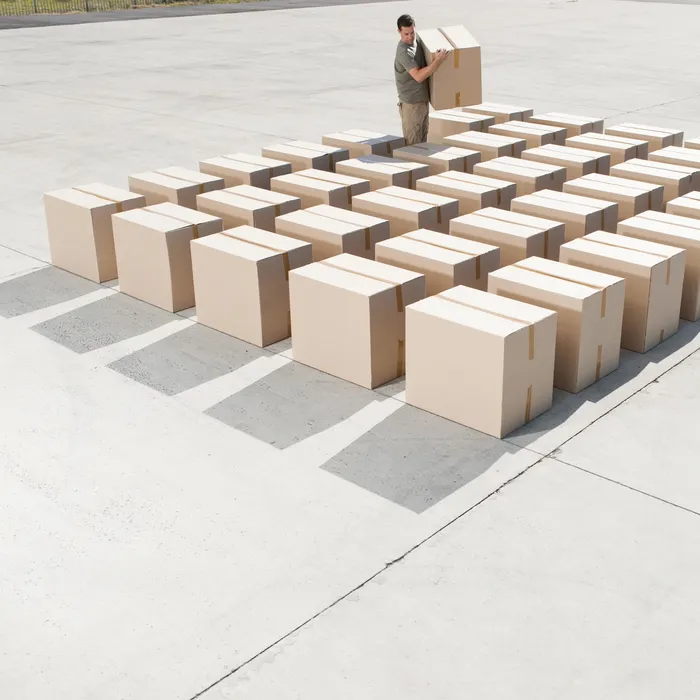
489, 145
653, 287
359, 142
313, 188
580, 215
277, 167
175, 185
450, 122
589, 308
403, 215
440, 158
687, 205
332, 231
675, 179
619, 148
534, 134
577, 161
446, 207
658, 137
247, 206
384, 172
518, 236
241, 282
529, 176
243, 172
575, 125
632, 196
473, 192
446, 261
457, 81
481, 360
691, 143
502, 113
304, 156
348, 317
678, 231
79, 224
153, 253
688, 157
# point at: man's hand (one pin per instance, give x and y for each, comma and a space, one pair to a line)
441, 55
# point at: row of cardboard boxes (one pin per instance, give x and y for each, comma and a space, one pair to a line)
243, 282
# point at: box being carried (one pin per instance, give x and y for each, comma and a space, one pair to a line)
457, 81
241, 282
446, 261
481, 360
79, 223
348, 317
589, 309
653, 287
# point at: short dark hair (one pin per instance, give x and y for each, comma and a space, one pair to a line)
405, 21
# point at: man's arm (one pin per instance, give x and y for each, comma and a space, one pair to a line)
422, 74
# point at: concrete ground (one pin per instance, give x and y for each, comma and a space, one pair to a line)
183, 515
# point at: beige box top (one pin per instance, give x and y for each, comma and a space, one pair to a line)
261, 195
233, 199
569, 202
484, 138
571, 273
306, 181
655, 167
239, 246
153, 221
610, 183
573, 119
334, 178
410, 205
455, 243
633, 250
677, 226
190, 176
382, 164
436, 200
355, 218
305, 217
547, 283
185, 214
566, 154
592, 138
535, 222
261, 161
158, 178
107, 192
266, 239
449, 38
509, 228
317, 147
80, 199
467, 181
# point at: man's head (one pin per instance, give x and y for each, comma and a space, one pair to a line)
407, 29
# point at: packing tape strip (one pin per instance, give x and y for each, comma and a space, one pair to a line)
458, 99
668, 271
289, 323
439, 215
599, 362
455, 53
400, 355
661, 336
195, 230
201, 188
120, 207
278, 210
410, 179
349, 189
368, 238
603, 302
478, 267
546, 244
531, 338
528, 404
285, 262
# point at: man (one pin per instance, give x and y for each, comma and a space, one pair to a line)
412, 73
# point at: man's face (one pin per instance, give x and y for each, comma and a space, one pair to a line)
408, 35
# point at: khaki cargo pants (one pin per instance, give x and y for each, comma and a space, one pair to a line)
414, 120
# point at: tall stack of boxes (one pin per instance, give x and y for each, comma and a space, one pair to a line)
510, 254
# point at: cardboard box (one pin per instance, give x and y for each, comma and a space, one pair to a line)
518, 236
691, 143
277, 167
687, 157
534, 134
403, 215
576, 161
481, 360
332, 231
247, 206
236, 171
306, 156
457, 81
501, 113
153, 254
653, 287
440, 158
619, 148
680, 232
580, 215
446, 207
658, 137
348, 317
175, 185
687, 205
241, 282
384, 172
676, 180
79, 224
632, 196
313, 188
575, 125
473, 192
489, 145
446, 261
589, 308
359, 142
450, 122
529, 176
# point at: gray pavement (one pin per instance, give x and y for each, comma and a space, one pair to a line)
183, 515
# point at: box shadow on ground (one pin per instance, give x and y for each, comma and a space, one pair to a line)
631, 365
40, 289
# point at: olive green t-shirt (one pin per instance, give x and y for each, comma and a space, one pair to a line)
407, 58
